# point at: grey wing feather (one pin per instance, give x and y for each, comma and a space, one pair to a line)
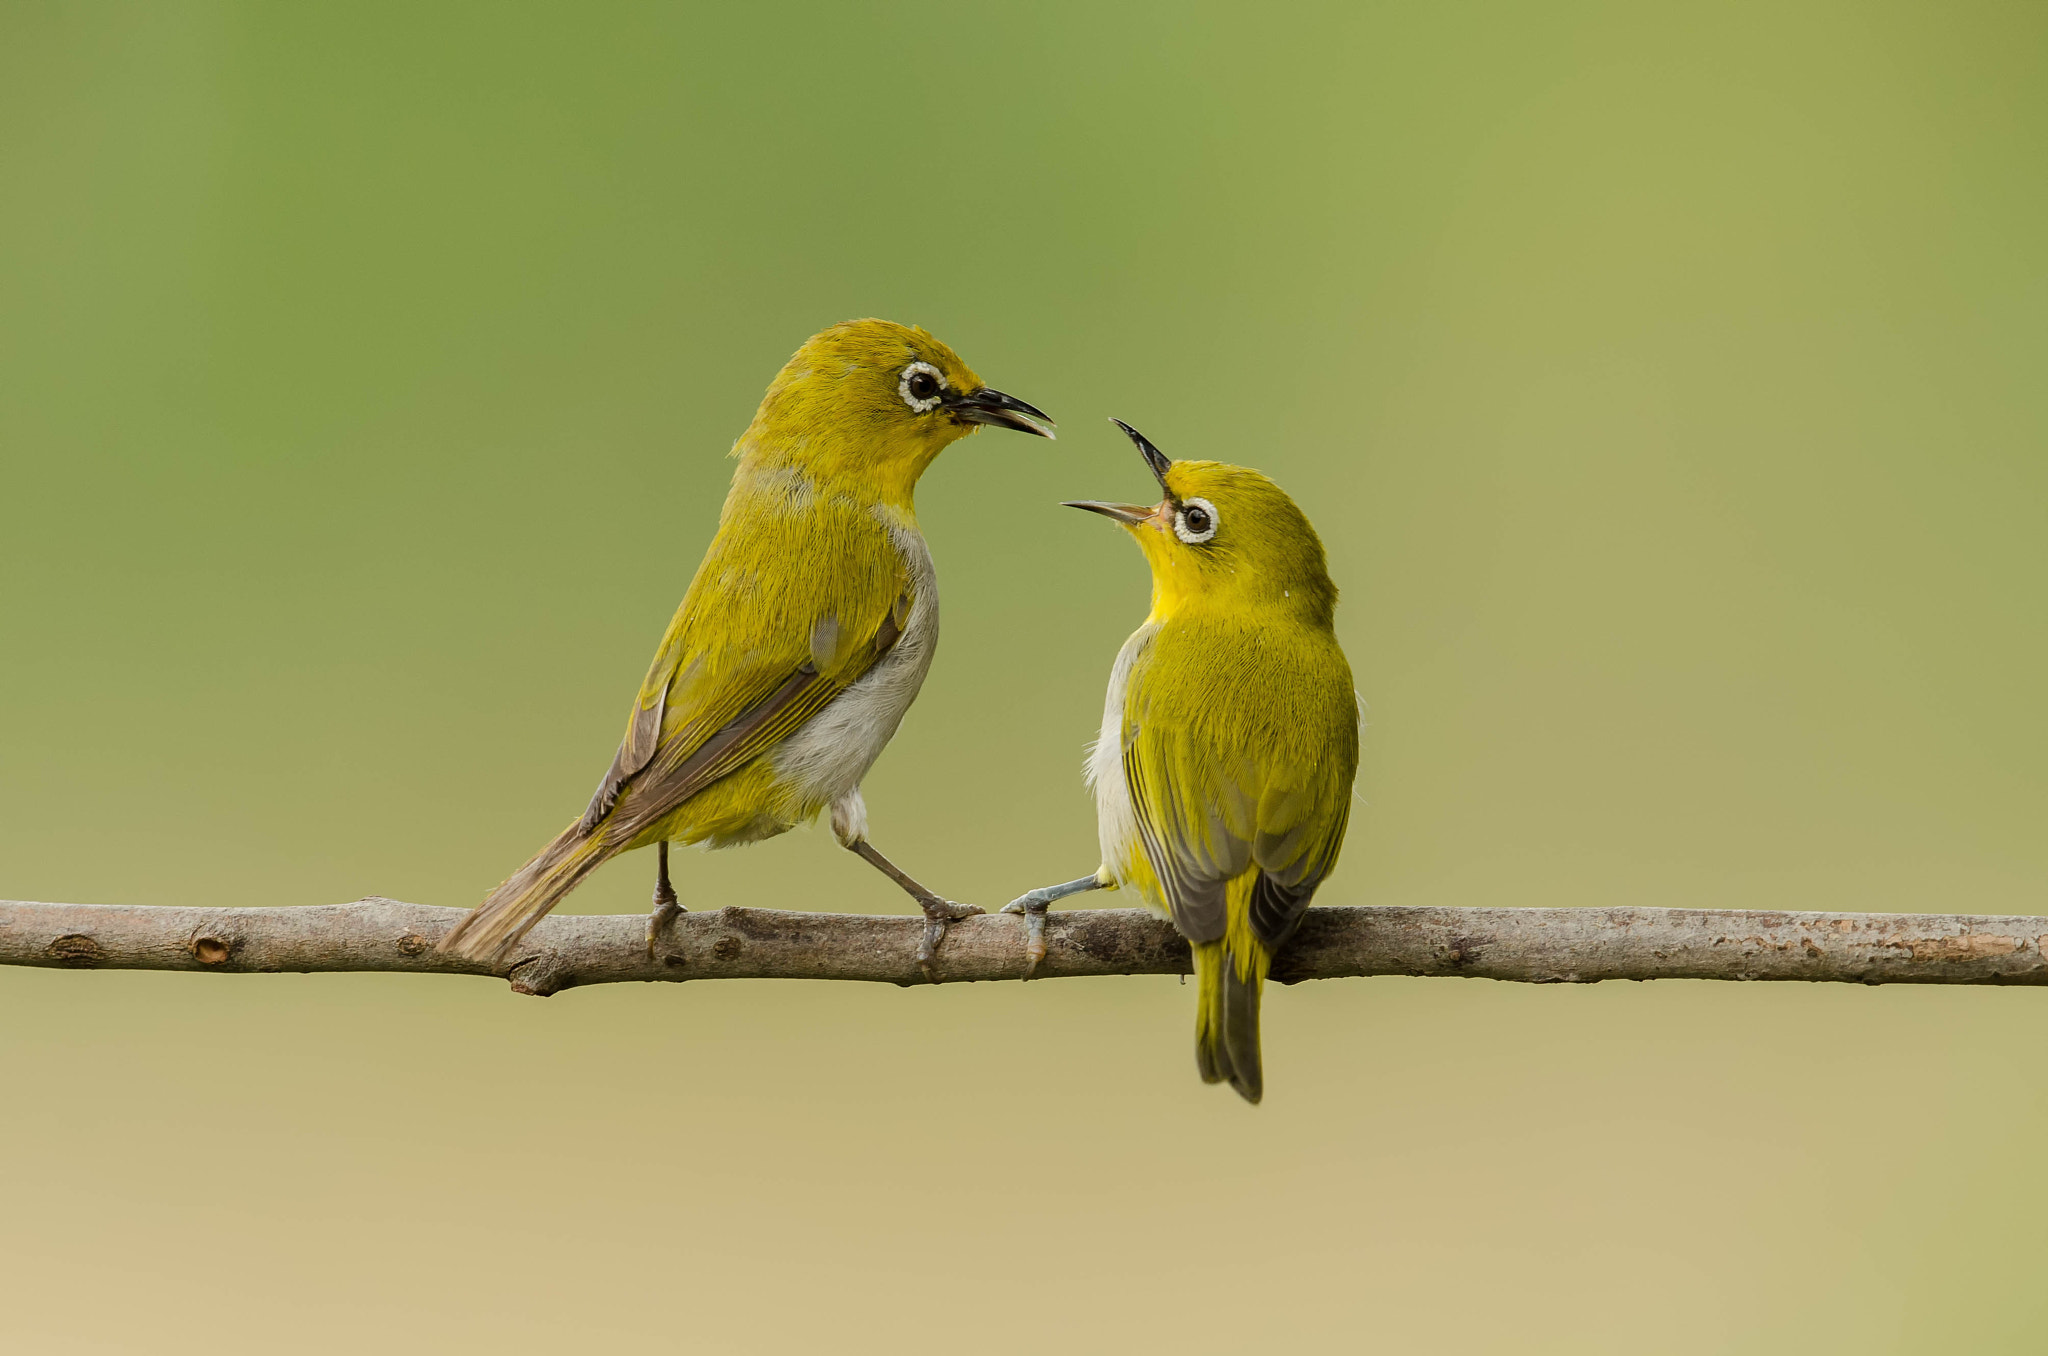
669, 780
706, 764
1194, 880
636, 750
1276, 909
1280, 896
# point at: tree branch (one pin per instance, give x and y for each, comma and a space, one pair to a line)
1540, 946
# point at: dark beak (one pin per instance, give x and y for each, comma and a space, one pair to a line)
1154, 458
990, 406
1128, 514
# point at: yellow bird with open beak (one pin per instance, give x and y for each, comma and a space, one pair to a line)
1229, 741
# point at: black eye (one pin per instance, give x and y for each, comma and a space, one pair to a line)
1196, 521
921, 386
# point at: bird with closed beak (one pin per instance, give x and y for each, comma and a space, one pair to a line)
1229, 741
803, 639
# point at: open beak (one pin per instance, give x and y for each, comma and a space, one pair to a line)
1135, 515
1155, 460
990, 406
1130, 515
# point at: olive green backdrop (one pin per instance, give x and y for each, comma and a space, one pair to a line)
1666, 382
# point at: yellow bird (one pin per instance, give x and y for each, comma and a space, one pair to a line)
802, 640
1229, 740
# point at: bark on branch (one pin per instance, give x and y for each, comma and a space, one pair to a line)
1540, 946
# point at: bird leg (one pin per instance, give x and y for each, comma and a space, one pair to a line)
665, 905
1033, 905
937, 912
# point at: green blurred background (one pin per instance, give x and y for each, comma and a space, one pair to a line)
1666, 382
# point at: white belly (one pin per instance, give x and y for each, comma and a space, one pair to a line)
825, 760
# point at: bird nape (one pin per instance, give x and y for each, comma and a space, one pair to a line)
802, 640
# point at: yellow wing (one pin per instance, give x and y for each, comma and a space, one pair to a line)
760, 644
1239, 750
754, 651
1239, 746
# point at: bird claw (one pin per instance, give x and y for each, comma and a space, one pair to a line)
1033, 906
937, 914
666, 909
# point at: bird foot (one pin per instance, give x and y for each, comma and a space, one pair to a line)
1033, 906
666, 910
937, 914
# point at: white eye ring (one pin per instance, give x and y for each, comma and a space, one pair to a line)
929, 403
1202, 509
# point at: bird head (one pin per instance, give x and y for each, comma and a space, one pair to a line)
870, 403
1223, 534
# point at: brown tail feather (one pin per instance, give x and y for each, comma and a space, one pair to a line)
496, 925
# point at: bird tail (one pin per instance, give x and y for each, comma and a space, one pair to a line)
1229, 975
493, 927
